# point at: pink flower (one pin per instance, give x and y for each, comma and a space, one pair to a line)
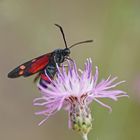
73, 90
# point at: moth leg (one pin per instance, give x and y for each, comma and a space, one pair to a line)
37, 77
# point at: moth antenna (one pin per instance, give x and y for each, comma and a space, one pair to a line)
82, 42
61, 29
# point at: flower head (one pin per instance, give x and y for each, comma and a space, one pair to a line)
73, 90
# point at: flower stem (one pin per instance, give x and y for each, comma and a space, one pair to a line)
85, 137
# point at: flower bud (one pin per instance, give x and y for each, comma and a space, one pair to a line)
80, 117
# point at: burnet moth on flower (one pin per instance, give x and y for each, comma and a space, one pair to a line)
45, 64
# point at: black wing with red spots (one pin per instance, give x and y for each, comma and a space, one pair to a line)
31, 67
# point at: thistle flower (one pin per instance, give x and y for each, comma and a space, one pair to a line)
73, 90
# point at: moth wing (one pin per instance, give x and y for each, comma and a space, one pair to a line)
30, 67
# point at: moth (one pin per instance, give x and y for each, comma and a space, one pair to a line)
45, 65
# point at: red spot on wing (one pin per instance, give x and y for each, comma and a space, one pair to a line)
33, 60
22, 67
39, 63
45, 78
21, 72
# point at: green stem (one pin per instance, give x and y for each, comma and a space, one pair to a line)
85, 137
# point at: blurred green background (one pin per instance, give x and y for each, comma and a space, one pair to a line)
27, 30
